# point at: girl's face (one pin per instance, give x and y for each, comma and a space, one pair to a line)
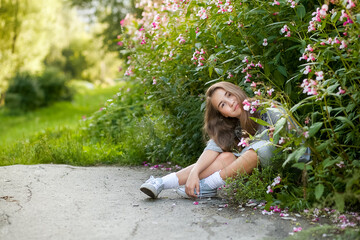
226, 103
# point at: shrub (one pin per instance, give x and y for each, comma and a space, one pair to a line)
304, 54
28, 92
24, 93
53, 82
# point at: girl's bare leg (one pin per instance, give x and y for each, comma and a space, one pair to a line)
222, 161
243, 164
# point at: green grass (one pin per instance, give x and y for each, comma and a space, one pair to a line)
62, 114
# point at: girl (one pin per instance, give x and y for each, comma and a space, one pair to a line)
227, 121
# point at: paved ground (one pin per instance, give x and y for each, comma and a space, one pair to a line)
65, 202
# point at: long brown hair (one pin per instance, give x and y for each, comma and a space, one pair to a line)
222, 129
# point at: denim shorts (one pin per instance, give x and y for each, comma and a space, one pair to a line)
263, 148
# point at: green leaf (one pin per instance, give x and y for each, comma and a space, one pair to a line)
279, 125
202, 107
259, 121
192, 34
230, 60
219, 71
210, 71
282, 70
323, 25
335, 16
300, 11
315, 128
332, 88
295, 155
346, 120
198, 45
324, 145
301, 166
358, 17
319, 190
328, 163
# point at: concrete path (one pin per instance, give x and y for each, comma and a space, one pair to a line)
64, 202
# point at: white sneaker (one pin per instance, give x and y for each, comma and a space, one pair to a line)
152, 187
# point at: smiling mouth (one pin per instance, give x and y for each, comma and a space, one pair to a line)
236, 107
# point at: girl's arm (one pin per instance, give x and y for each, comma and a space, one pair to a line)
204, 161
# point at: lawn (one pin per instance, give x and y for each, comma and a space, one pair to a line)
61, 114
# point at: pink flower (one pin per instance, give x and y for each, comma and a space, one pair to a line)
277, 181
270, 91
155, 25
348, 21
297, 229
340, 164
343, 15
306, 134
196, 203
341, 91
281, 140
319, 75
243, 143
202, 13
245, 60
309, 48
275, 3
247, 77
304, 56
122, 22
181, 39
253, 84
154, 82
343, 45
230, 75
311, 57
120, 44
259, 65
246, 105
265, 43
258, 92
351, 4
269, 190
264, 212
284, 29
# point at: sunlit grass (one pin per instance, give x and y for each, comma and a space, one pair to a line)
61, 114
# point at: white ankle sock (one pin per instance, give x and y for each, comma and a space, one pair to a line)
214, 180
170, 181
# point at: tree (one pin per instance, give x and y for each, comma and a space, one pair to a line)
109, 13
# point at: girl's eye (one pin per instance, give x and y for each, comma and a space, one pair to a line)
222, 105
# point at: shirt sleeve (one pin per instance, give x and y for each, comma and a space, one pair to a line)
211, 145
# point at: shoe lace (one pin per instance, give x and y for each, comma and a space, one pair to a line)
153, 181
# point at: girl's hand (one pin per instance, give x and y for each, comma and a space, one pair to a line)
192, 184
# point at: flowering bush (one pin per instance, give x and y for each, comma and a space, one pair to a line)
302, 53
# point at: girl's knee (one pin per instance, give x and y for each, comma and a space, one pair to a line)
226, 157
